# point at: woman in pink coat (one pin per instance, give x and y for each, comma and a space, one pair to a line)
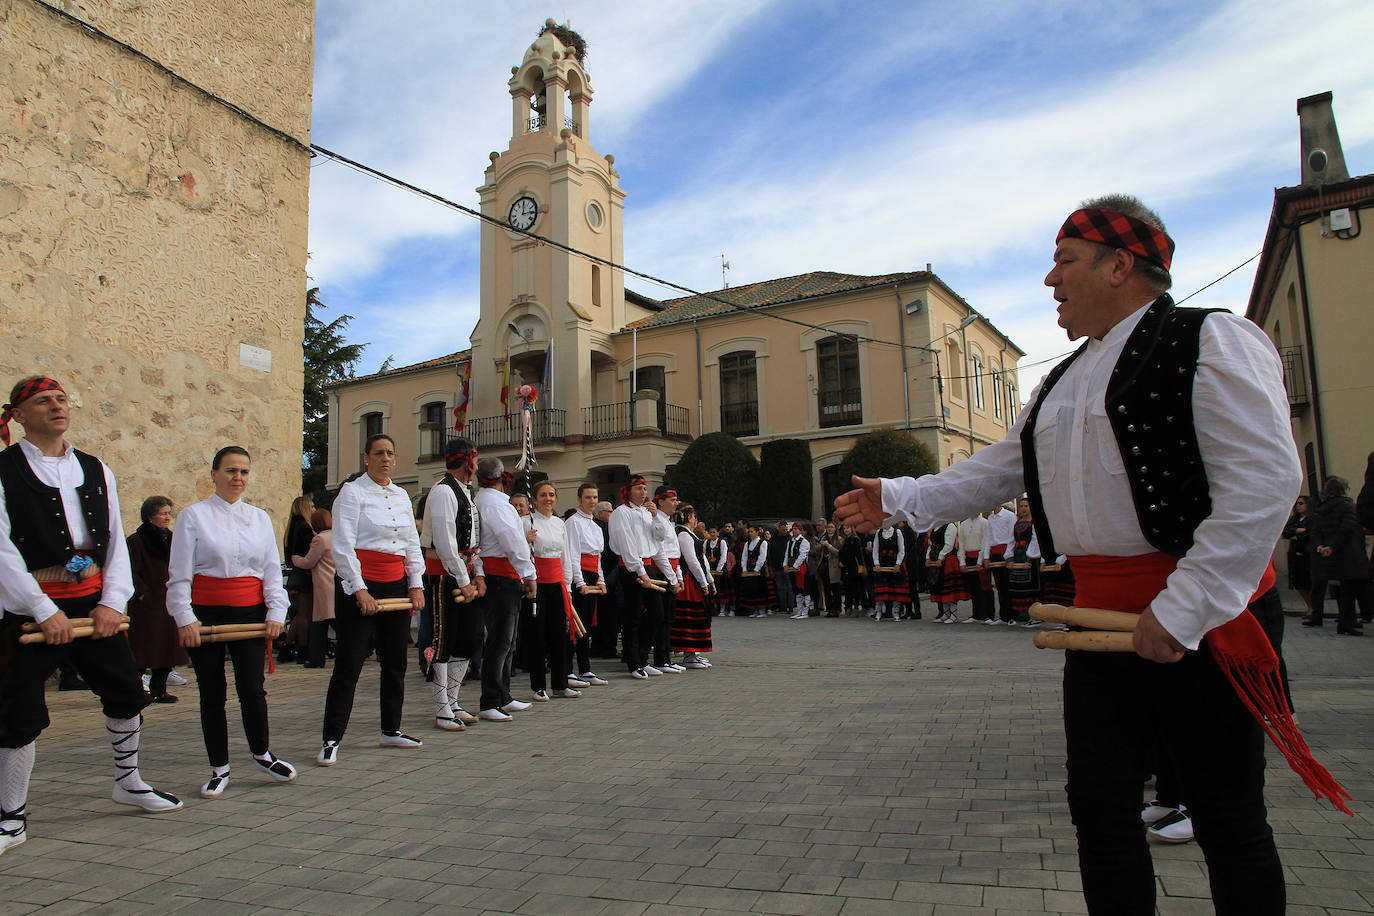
321, 565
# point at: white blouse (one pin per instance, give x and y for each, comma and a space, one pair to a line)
584, 536
369, 516
551, 540
227, 541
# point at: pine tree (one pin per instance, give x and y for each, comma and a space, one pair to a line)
328, 358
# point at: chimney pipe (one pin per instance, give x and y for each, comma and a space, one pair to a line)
1317, 132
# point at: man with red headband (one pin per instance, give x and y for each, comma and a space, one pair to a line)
1159, 458
510, 575
450, 536
632, 537
62, 556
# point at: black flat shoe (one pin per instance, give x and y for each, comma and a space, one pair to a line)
1309, 622
1350, 632
163, 697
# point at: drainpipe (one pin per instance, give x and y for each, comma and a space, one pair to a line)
1311, 359
634, 362
901, 337
701, 429
968, 382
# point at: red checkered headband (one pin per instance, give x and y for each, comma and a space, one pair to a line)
18, 395
635, 480
1117, 230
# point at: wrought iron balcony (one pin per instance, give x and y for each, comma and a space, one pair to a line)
841, 406
506, 430
740, 419
617, 421
1294, 379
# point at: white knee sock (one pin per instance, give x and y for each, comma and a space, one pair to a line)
456, 669
438, 689
16, 765
124, 739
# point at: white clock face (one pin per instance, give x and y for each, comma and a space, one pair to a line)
523, 213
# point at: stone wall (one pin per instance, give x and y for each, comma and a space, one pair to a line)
147, 233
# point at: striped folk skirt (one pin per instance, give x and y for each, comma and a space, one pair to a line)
947, 582
692, 625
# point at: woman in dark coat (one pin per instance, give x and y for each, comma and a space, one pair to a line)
1299, 560
1337, 541
152, 631
299, 582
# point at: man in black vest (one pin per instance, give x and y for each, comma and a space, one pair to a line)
62, 556
1159, 458
450, 538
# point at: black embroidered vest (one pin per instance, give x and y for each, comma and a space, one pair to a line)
1149, 404
38, 524
468, 521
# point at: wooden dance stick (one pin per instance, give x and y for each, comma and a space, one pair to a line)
457, 597
595, 589
38, 638
232, 632
893, 569
1085, 640
1088, 617
751, 574
80, 623
1018, 566
579, 628
394, 604
997, 564
654, 585
1050, 567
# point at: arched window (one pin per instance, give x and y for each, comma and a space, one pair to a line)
370, 426
975, 381
838, 393
996, 393
956, 369
739, 394
431, 431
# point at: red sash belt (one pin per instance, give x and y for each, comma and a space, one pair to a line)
433, 567
647, 561
549, 571
590, 562
800, 580
673, 562
499, 566
239, 591
1240, 647
381, 567
59, 591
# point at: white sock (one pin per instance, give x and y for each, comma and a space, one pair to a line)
124, 739
456, 669
16, 765
438, 689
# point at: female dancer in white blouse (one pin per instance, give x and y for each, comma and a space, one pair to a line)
545, 634
225, 569
376, 551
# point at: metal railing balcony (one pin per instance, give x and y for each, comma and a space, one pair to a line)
617, 421
506, 430
1294, 378
740, 419
841, 406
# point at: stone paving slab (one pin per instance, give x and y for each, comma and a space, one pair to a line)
827, 767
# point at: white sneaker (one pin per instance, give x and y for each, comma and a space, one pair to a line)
462, 715
1154, 812
577, 682
796, 617
588, 679
396, 739
175, 680
11, 837
277, 768
516, 706
672, 668
540, 696
328, 755
639, 674
651, 671
994, 622
448, 724
1032, 623
214, 787
971, 620
494, 715
568, 693
150, 799
1173, 828
697, 664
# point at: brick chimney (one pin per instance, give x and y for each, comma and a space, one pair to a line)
1317, 131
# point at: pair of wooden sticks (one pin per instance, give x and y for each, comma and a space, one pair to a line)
84, 627
32, 633
1107, 631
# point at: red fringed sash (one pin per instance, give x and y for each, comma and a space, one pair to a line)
1240, 648
549, 571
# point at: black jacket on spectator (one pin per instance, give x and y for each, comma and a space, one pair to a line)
1333, 524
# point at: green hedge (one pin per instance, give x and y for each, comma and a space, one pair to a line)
717, 475
785, 478
887, 453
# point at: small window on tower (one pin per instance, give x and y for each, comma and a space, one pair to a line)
596, 284
595, 216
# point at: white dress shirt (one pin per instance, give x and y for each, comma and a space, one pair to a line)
503, 531
724, 547
689, 549
633, 539
1240, 413
973, 534
901, 547
551, 540
439, 529
666, 537
19, 591
798, 549
584, 537
227, 541
369, 516
760, 561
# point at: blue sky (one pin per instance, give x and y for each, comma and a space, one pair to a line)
863, 137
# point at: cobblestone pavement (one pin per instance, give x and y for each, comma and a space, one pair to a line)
821, 767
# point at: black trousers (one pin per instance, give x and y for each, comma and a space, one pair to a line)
588, 609
500, 612
643, 612
663, 633
1001, 582
247, 656
107, 665
544, 638
1116, 705
386, 631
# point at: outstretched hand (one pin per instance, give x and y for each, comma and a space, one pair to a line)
862, 508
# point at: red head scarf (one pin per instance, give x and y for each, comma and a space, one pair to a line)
1117, 230
635, 480
18, 395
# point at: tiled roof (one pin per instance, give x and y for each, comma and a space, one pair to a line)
449, 360
770, 292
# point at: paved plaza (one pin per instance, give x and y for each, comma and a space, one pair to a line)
821, 767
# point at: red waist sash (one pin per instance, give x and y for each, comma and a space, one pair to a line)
1241, 649
238, 591
499, 566
433, 567
673, 562
549, 571
589, 562
381, 567
59, 591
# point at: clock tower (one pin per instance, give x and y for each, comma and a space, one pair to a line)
550, 188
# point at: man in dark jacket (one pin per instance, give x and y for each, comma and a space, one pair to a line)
1337, 540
